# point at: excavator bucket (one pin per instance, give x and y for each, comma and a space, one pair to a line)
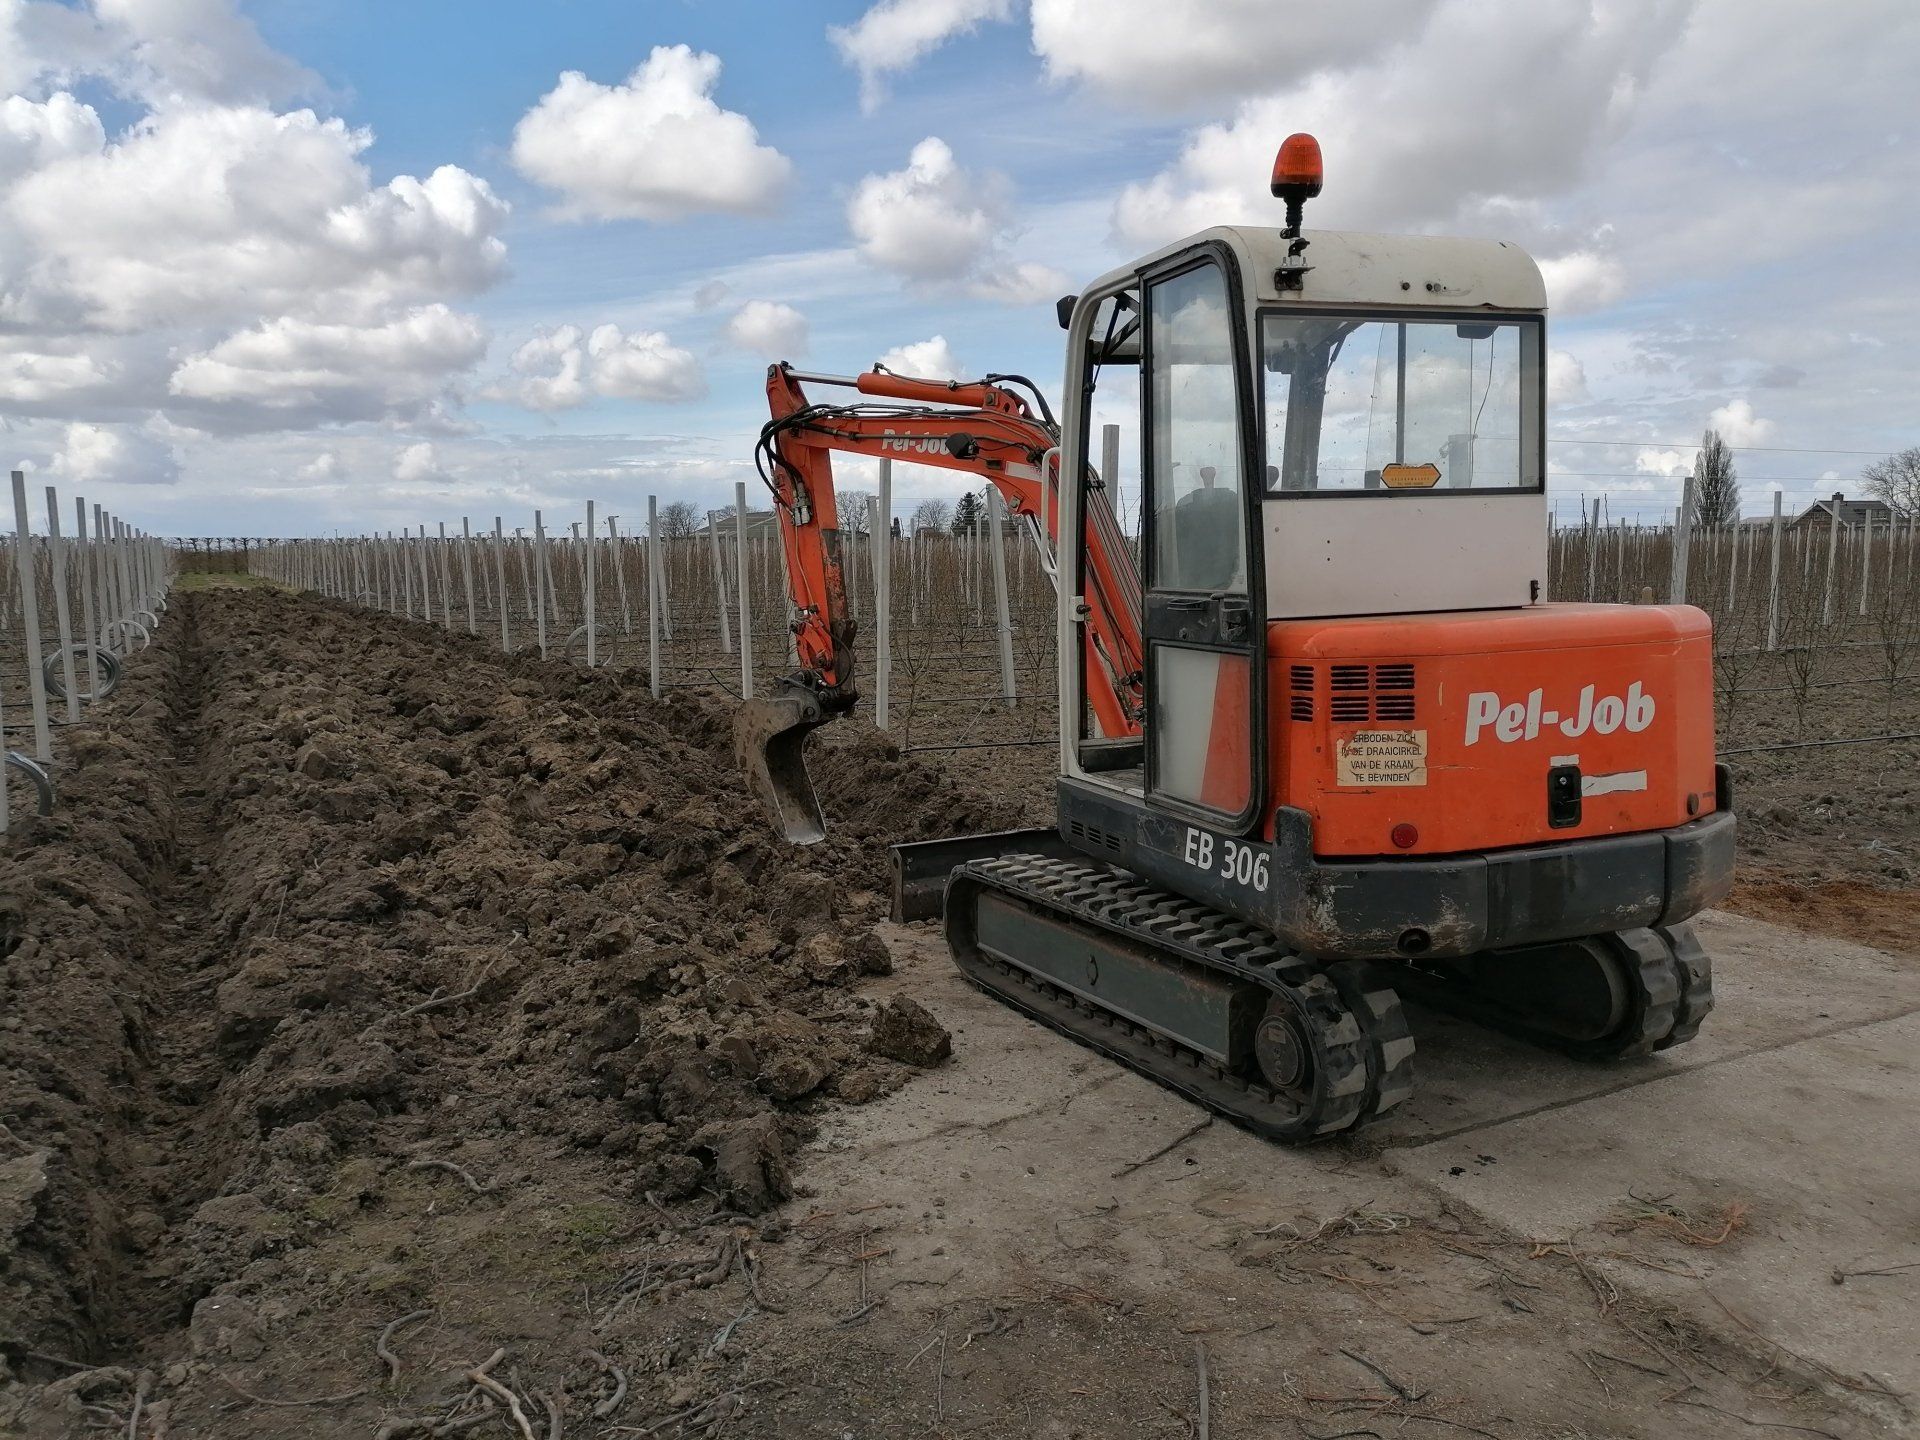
770, 741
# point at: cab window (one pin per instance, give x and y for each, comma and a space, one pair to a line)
1400, 404
1194, 447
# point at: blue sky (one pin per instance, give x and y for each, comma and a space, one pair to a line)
225, 307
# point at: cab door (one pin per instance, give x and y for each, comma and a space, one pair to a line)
1203, 626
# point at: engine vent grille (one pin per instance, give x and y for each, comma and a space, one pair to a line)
1358, 693
1093, 835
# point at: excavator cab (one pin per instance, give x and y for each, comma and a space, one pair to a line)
1324, 737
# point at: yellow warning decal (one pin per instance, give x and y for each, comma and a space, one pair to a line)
1382, 757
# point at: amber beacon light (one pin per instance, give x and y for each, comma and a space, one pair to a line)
1297, 175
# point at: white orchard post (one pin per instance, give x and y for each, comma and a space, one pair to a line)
1682, 541
1593, 551
446, 579
500, 585
1733, 563
882, 525
720, 580
62, 611
997, 554
83, 557
587, 559
466, 571
30, 624
539, 589
1833, 556
1773, 580
654, 589
745, 597
1866, 558
619, 574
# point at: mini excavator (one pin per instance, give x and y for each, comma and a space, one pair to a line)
1323, 737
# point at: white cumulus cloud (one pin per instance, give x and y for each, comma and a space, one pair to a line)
336, 372
656, 147
550, 372
1483, 104
936, 223
1582, 280
895, 33
114, 454
643, 365
1566, 378
924, 359
1738, 425
418, 464
769, 328
1172, 55
154, 50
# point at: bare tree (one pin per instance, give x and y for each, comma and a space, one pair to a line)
1896, 480
932, 514
679, 520
1716, 490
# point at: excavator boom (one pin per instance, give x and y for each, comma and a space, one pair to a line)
981, 428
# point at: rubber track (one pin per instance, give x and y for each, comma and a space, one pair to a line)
1364, 1064
1671, 996
1696, 987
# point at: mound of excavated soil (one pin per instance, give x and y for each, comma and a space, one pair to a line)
337, 908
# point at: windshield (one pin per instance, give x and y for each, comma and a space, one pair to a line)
1393, 404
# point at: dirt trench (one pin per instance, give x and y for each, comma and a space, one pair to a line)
342, 919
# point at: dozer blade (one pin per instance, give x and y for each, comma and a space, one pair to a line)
770, 741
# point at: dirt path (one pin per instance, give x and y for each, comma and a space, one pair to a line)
370, 984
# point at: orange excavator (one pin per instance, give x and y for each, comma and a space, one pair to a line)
1327, 739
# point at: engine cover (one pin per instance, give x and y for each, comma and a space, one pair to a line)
1476, 731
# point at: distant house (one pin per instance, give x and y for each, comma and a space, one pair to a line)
1850, 512
760, 525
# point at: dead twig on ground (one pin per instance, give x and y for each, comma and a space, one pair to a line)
1749, 1420
1661, 1215
610, 1406
435, 1426
1442, 1420
479, 1376
1630, 1364
1379, 1374
139, 1403
341, 1398
1206, 1398
940, 1381
1360, 1220
1867, 1386
1840, 1277
1173, 1144
1605, 1293
555, 1406
1598, 1378
386, 1356
452, 1169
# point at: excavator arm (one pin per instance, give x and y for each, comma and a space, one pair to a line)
982, 428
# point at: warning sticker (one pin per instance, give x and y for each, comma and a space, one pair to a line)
1383, 757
